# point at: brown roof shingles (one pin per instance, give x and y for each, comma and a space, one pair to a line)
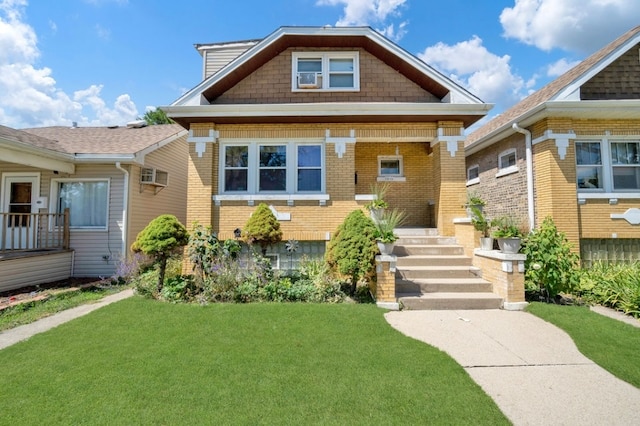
548, 91
25, 138
104, 140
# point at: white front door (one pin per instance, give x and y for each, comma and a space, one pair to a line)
20, 195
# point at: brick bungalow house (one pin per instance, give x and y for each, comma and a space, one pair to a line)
308, 118
571, 151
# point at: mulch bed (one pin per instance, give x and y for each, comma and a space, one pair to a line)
41, 291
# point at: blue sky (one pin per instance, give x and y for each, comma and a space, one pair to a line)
105, 62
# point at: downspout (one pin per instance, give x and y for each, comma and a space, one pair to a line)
125, 208
529, 159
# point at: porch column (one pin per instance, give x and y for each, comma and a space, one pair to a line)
449, 176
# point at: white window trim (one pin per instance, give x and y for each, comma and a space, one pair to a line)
271, 256
325, 56
253, 175
503, 171
476, 180
53, 202
607, 190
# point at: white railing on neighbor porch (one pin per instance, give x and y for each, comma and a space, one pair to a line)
34, 231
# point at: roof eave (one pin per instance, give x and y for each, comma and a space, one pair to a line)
596, 109
398, 111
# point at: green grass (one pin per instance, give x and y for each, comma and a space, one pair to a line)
143, 362
612, 344
29, 312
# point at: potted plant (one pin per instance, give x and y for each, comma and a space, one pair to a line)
474, 200
484, 225
378, 204
385, 229
508, 235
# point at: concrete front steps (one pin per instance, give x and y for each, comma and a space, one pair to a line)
432, 272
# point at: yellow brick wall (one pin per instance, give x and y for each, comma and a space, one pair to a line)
555, 183
596, 222
467, 237
200, 183
412, 195
385, 288
508, 285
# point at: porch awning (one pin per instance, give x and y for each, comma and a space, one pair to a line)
43, 159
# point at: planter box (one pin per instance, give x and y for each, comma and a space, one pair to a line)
509, 245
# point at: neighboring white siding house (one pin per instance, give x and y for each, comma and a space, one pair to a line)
96, 173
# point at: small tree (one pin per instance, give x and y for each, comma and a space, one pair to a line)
160, 239
156, 116
352, 249
263, 228
551, 267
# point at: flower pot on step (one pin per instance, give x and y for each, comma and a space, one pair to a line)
385, 248
486, 243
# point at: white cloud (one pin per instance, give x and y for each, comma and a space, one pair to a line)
123, 109
483, 73
581, 26
560, 67
17, 39
372, 13
30, 96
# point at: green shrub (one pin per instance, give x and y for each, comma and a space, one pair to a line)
263, 228
551, 267
145, 283
614, 285
180, 288
161, 238
352, 249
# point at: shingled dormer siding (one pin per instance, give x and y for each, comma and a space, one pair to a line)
271, 84
620, 80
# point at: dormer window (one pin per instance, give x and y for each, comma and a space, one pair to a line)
330, 71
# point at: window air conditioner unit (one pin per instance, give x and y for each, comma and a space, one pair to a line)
153, 176
307, 80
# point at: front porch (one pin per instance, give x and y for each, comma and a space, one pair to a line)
34, 249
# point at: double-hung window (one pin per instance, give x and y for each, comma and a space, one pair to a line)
608, 166
330, 71
309, 170
272, 168
87, 201
589, 165
507, 162
473, 174
625, 165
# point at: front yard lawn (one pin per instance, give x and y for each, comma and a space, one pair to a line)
610, 343
143, 362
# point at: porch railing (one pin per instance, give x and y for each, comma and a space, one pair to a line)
34, 231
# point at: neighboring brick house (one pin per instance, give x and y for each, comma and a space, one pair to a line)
114, 181
571, 151
308, 118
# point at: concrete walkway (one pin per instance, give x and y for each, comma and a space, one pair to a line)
531, 369
23, 332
